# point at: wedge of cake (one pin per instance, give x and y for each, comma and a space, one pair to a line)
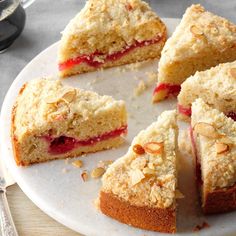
139, 188
52, 121
109, 33
214, 144
216, 86
201, 40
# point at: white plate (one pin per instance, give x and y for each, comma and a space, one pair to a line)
64, 196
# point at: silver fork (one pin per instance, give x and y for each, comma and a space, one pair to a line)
7, 225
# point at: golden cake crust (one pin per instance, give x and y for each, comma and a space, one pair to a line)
220, 200
156, 219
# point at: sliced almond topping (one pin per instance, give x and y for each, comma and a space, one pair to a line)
226, 140
154, 147
97, 172
138, 149
151, 166
53, 100
148, 171
178, 194
206, 130
84, 175
232, 72
221, 148
195, 30
69, 96
136, 176
77, 163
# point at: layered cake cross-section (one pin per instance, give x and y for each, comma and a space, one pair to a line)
139, 188
52, 121
107, 33
214, 144
216, 86
201, 40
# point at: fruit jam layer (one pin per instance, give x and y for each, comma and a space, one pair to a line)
91, 59
187, 112
184, 110
168, 89
197, 162
65, 144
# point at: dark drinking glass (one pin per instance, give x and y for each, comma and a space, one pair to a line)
12, 21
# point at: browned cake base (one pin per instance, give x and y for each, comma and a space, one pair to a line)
221, 200
156, 219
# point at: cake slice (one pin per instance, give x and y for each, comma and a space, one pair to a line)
216, 86
107, 33
201, 40
52, 121
139, 188
214, 143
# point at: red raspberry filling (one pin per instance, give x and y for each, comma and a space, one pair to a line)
188, 112
172, 89
65, 144
197, 163
232, 115
90, 59
184, 110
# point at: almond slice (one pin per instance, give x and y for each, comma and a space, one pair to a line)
154, 147
97, 172
232, 72
138, 149
77, 163
151, 166
226, 140
206, 130
84, 176
69, 96
221, 148
195, 30
53, 100
148, 171
136, 176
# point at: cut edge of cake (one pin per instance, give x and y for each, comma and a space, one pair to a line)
42, 129
215, 86
213, 134
201, 40
116, 33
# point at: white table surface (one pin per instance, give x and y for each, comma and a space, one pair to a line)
45, 20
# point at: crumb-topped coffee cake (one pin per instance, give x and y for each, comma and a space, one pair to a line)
108, 33
214, 144
200, 41
216, 86
51, 121
139, 188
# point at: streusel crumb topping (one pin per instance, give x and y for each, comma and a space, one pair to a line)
146, 175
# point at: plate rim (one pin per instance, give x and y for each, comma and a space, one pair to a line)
25, 188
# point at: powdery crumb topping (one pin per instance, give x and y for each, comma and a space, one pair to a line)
108, 26
216, 86
45, 104
143, 85
218, 165
147, 179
